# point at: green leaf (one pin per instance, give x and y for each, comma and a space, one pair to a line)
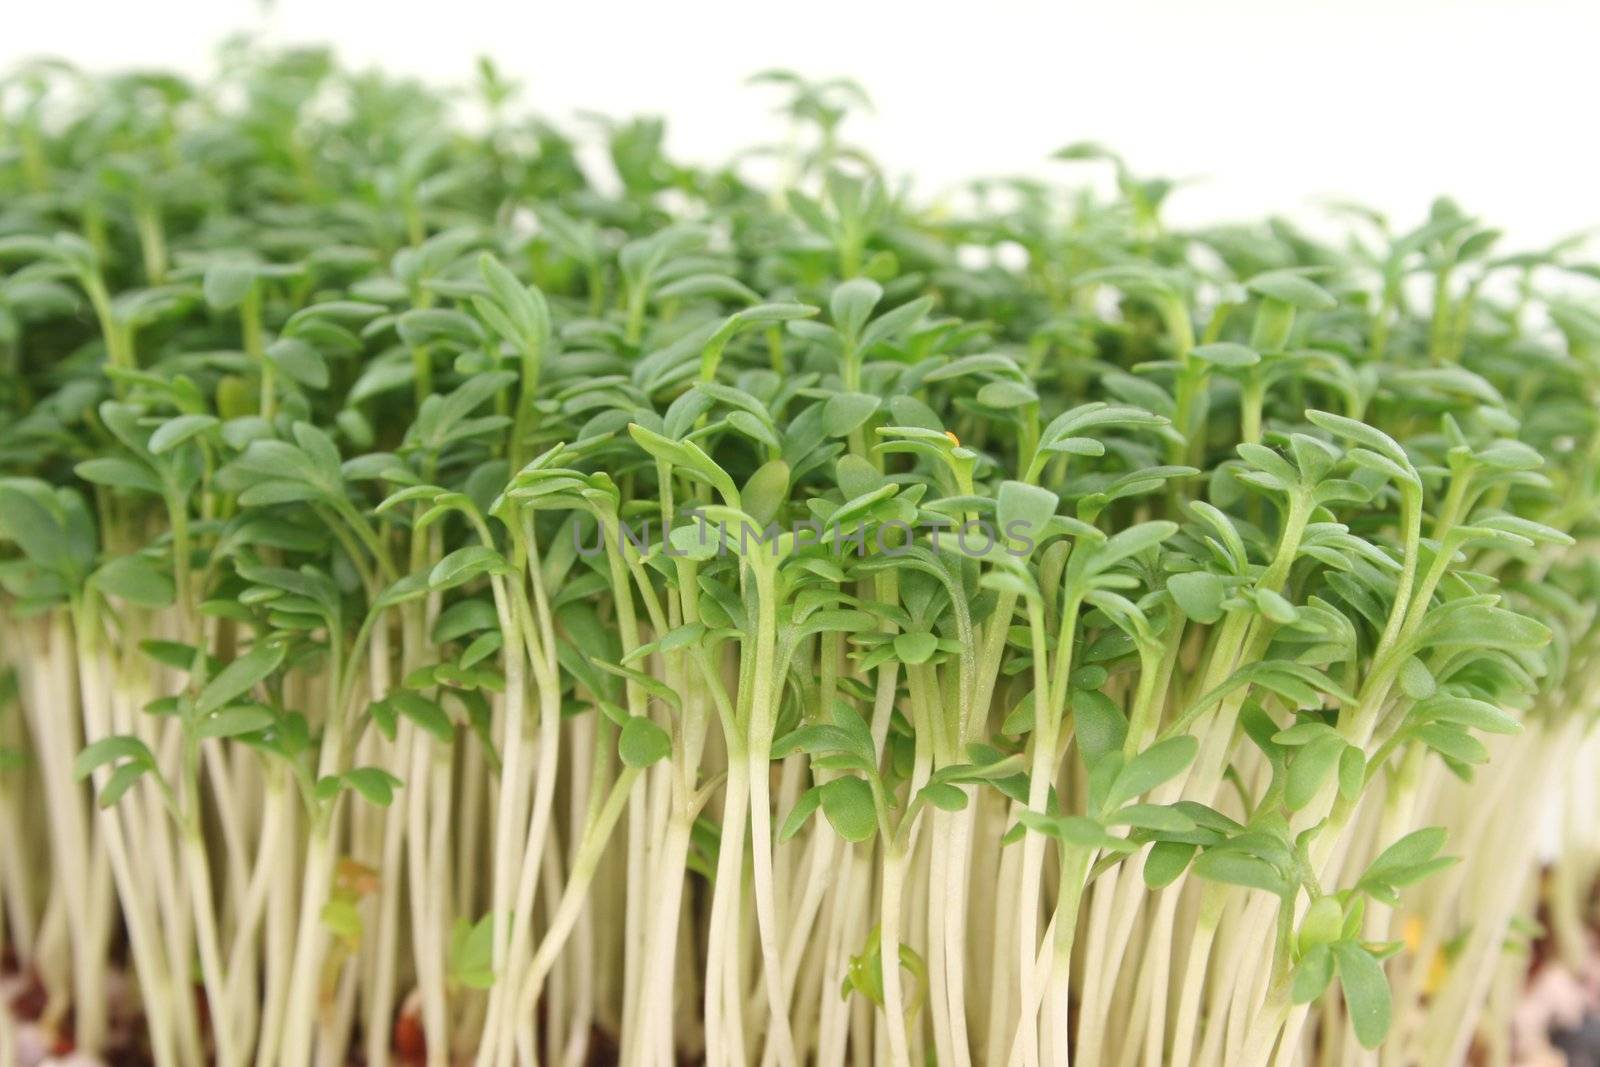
801, 813
767, 491
1158, 817
31, 515
1366, 992
1099, 724
914, 648
1199, 595
119, 473
1352, 772
1312, 975
240, 676
482, 647
718, 286
425, 713
471, 956
1024, 511
1293, 289
226, 283
521, 313
1226, 354
1159, 763
642, 742
944, 796
1399, 863
1368, 437
1275, 607
299, 362
232, 722
376, 786
175, 431
121, 780
1481, 626
687, 457
465, 564
136, 580
1131, 542
1309, 768
463, 617
847, 802
411, 587
1323, 922
1237, 868
844, 412
1167, 860
108, 750
1453, 742
896, 321
1006, 395
1463, 711
766, 314
851, 304
1079, 830
1416, 681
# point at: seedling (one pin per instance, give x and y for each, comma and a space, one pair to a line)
448, 592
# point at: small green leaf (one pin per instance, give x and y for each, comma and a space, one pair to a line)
1352, 772
1309, 768
1405, 856
299, 362
1167, 860
914, 648
1477, 714
767, 491
109, 749
226, 283
465, 564
119, 473
232, 722
1416, 681
121, 780
1312, 975
1199, 595
642, 742
848, 804
1160, 762
376, 786
471, 953
801, 813
175, 431
1453, 742
1158, 817
944, 796
1226, 354
425, 713
1236, 868
851, 304
1293, 289
1099, 724
1323, 922
137, 580
844, 412
1366, 992
1024, 511
240, 676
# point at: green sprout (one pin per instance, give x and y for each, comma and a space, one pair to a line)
460, 605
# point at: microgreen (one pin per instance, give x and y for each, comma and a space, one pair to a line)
448, 588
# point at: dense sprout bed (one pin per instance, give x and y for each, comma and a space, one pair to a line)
1075, 637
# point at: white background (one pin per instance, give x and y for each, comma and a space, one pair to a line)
1270, 106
